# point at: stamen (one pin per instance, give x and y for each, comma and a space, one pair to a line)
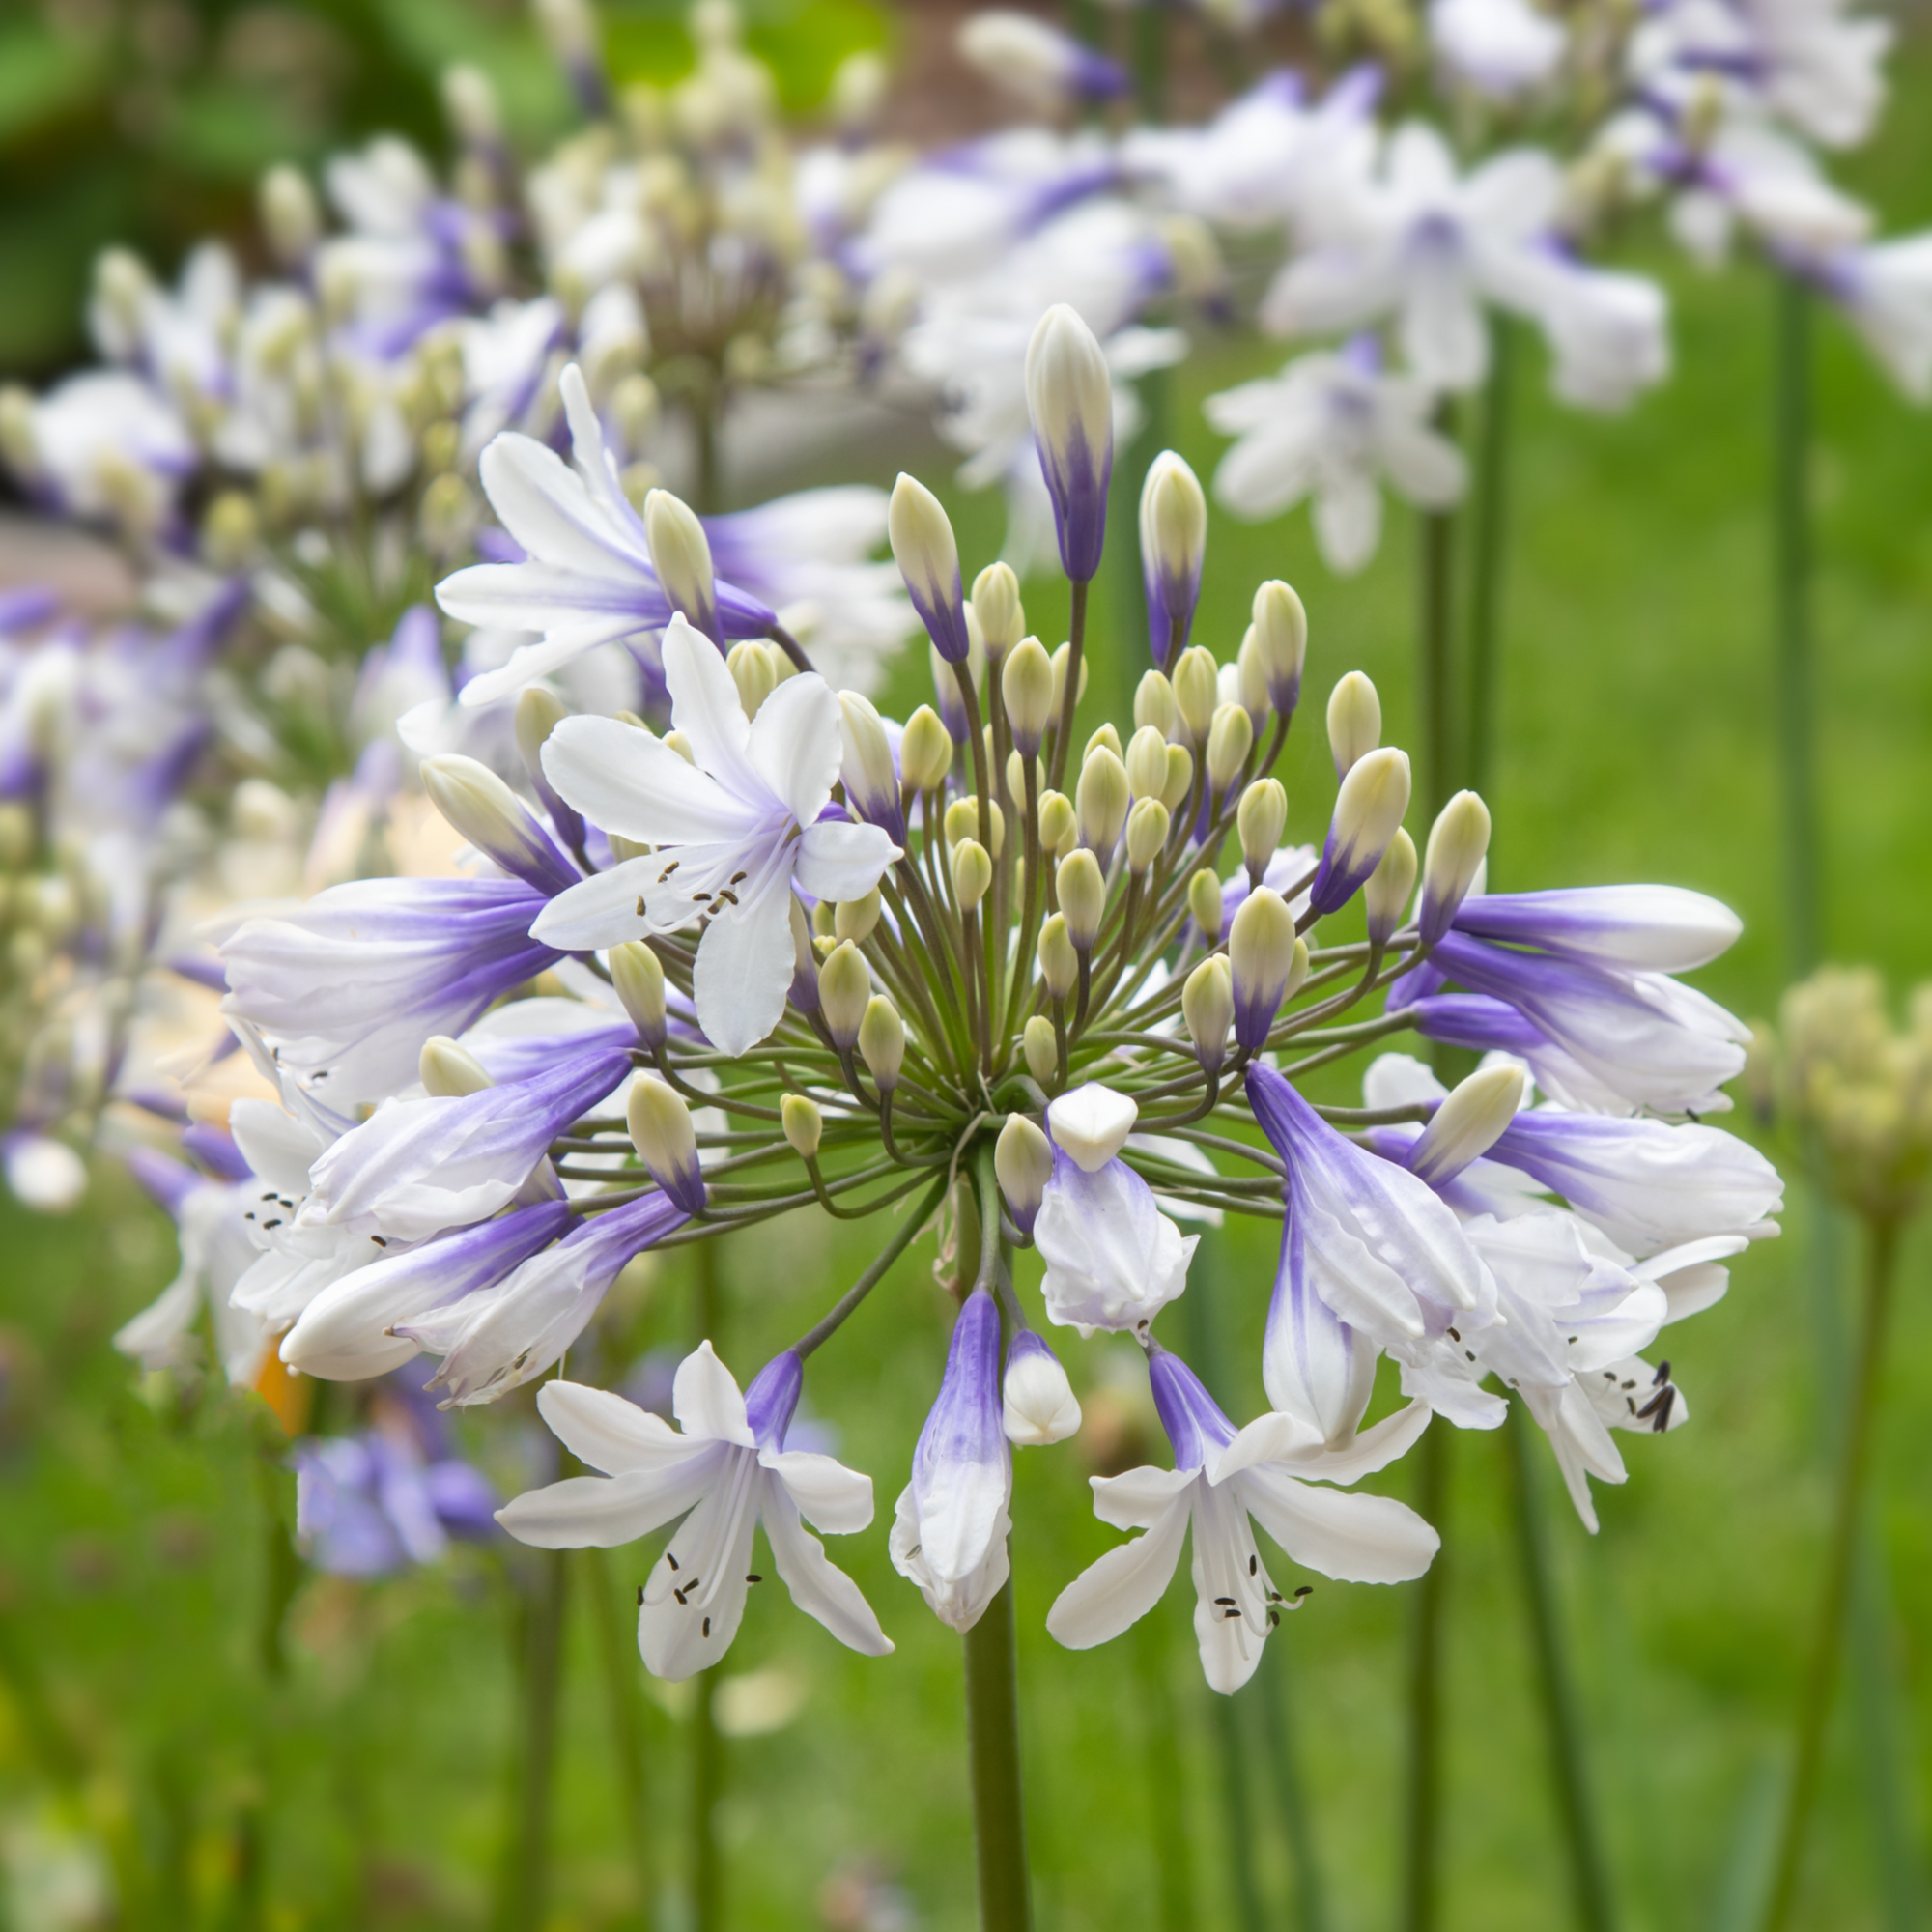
708, 1626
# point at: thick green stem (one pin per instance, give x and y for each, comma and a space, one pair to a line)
1422, 1833
1791, 564
1490, 549
523, 1898
617, 1664
1589, 1873
1828, 1643
993, 1741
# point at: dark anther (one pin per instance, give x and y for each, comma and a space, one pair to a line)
1231, 1613
1668, 1400
640, 905
1454, 1336
669, 870
754, 1580
700, 899
738, 878
1659, 1401
672, 1560
1662, 1376
379, 1240
1630, 1382
725, 897
1306, 1590
1275, 1620
1574, 1340
1470, 1353
276, 1222
1224, 1599
679, 1595
641, 1596
708, 1626
1254, 1564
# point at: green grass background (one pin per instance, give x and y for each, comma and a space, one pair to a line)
1637, 742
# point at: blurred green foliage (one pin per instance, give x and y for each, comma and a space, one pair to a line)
147, 122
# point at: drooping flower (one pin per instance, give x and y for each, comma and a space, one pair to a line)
731, 1470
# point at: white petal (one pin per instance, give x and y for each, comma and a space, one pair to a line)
635, 784
842, 862
1373, 1449
705, 706
797, 743
599, 911
707, 1401
817, 1585
714, 1547
602, 1512
602, 1429
543, 504
744, 964
837, 1499
1122, 1587
1347, 520
1268, 1439
1138, 1499
1354, 1539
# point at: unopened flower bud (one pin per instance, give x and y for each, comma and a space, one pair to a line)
230, 530
636, 975
289, 217
1251, 680
1355, 721
1059, 962
1105, 736
1026, 684
972, 873
962, 821
1174, 546
882, 1041
1386, 890
1022, 1164
1146, 763
855, 918
926, 751
1090, 1124
996, 602
1281, 643
1037, 1404
1147, 835
1016, 779
1229, 740
666, 1141
844, 988
1071, 399
1153, 703
480, 805
471, 103
681, 557
804, 1125
1040, 1048
1061, 658
1101, 800
1206, 906
804, 994
753, 671
1262, 954
1458, 842
1180, 777
449, 1071
927, 554
867, 770
1368, 808
1197, 691
1261, 820
1208, 1007
1059, 826
1469, 1123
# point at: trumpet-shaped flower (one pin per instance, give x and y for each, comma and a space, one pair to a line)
732, 835
728, 1465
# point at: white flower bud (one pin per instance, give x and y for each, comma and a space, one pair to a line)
1281, 643
1106, 736
1090, 1124
1174, 546
1061, 658
927, 554
1026, 684
1059, 962
480, 805
1208, 1007
1016, 772
804, 1125
1206, 905
539, 712
1022, 1164
1146, 763
636, 975
926, 751
882, 1041
1263, 954
1180, 777
996, 602
1229, 740
1040, 1048
1147, 835
962, 821
972, 873
753, 671
1155, 705
681, 557
1469, 1123
1458, 841
289, 217
448, 1070
1251, 679
1355, 721
666, 1141
1368, 810
855, 918
1197, 691
1059, 826
1071, 400
1386, 891
1261, 820
866, 768
1037, 1404
471, 103
844, 989
1101, 800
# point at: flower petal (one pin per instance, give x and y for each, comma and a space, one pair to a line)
1354, 1539
744, 964
817, 1585
797, 743
1120, 1589
837, 1499
842, 862
633, 783
1137, 1498
706, 1400
602, 1512
601, 1428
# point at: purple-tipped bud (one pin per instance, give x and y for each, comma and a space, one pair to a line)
1368, 808
1037, 1402
1173, 546
1071, 399
927, 554
772, 1399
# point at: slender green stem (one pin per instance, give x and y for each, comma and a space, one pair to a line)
704, 1875
1069, 698
1791, 563
617, 1664
993, 1741
1821, 1676
1435, 643
1422, 1836
1589, 1872
1489, 550
523, 1900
